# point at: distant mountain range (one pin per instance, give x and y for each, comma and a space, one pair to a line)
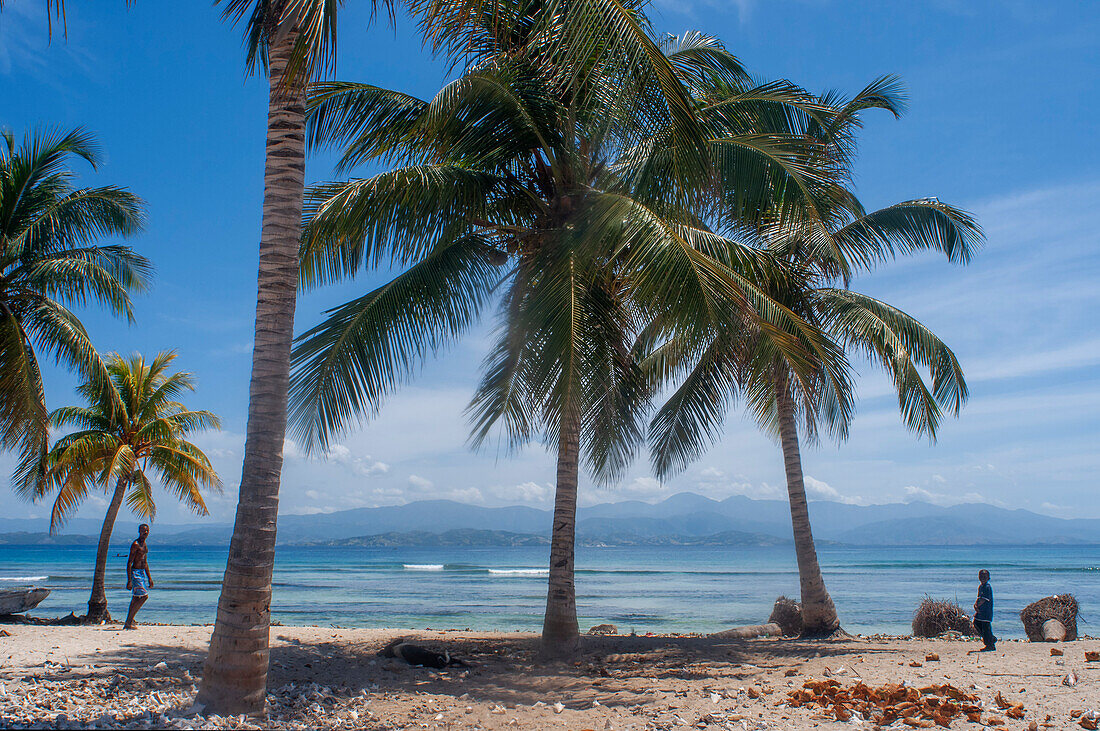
683, 519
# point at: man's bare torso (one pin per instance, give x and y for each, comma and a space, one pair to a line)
139, 554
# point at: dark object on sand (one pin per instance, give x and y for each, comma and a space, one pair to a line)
787, 613
417, 655
17, 601
749, 631
936, 616
604, 629
1062, 608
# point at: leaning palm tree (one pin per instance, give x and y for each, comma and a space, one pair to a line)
50, 260
130, 431
519, 178
292, 41
825, 244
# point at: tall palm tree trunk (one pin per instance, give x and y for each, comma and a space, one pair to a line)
560, 634
235, 675
97, 604
818, 613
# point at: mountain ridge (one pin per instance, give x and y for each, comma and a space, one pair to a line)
681, 517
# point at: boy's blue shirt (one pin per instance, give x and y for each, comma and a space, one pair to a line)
985, 608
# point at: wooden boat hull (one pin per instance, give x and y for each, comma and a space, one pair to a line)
16, 601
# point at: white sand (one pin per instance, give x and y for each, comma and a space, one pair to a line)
111, 677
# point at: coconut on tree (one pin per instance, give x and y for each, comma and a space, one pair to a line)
130, 437
531, 175
827, 245
51, 259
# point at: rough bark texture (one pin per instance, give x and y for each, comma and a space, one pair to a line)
560, 633
97, 603
818, 613
235, 676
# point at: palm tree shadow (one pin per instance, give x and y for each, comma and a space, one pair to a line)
615, 671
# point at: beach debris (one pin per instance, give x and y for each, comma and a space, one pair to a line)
17, 601
925, 707
749, 631
604, 629
1062, 608
787, 613
1092, 656
161, 666
916, 664
1089, 719
934, 617
1070, 679
790, 673
1055, 652
931, 657
417, 655
558, 707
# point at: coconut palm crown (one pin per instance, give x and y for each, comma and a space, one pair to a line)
131, 433
51, 260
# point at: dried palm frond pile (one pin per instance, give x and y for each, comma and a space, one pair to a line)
1062, 607
936, 616
933, 705
787, 613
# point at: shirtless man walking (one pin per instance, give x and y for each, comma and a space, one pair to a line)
138, 578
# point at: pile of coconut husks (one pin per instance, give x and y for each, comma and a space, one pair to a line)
926, 707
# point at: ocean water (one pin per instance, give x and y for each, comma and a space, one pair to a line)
666, 589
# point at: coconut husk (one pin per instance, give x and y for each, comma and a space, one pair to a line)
787, 613
1062, 607
936, 616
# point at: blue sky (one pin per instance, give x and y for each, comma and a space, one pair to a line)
1003, 102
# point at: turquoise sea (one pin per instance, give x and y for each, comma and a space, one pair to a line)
666, 589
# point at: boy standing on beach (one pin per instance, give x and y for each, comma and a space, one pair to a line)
983, 612
138, 578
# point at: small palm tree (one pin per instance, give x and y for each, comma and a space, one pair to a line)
49, 261
823, 244
522, 177
130, 431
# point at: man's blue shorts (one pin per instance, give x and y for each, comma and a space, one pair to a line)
139, 580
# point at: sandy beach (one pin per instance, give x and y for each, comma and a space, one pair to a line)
102, 677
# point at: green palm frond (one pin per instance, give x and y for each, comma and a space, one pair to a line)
49, 259
907, 227
901, 345
399, 215
347, 364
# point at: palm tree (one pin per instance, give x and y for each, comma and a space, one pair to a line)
130, 430
49, 261
825, 244
292, 41
520, 177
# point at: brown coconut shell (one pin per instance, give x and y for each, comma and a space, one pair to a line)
1062, 607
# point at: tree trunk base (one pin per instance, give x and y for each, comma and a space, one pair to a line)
558, 648
97, 614
824, 633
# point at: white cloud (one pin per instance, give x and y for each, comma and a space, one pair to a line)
527, 492
915, 494
420, 483
822, 490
